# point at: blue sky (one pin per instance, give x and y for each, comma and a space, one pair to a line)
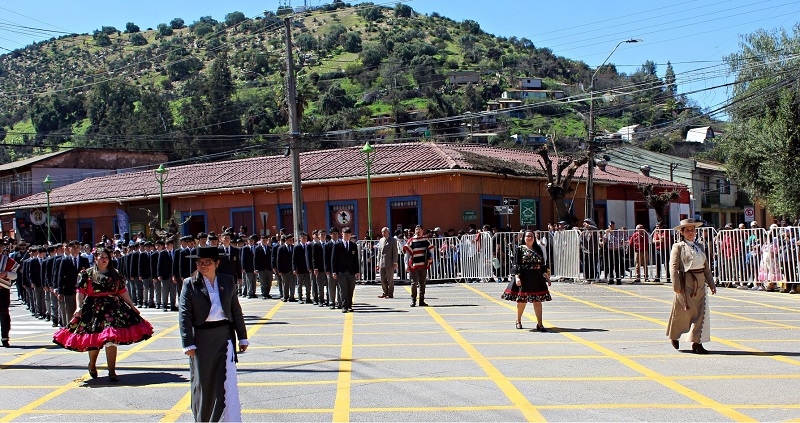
694, 35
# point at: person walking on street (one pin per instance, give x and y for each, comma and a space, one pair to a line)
690, 273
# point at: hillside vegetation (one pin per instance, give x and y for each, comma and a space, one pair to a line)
219, 86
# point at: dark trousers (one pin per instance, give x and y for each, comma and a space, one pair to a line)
418, 279
169, 291
319, 281
589, 266
334, 294
613, 264
265, 278
288, 285
304, 284
5, 314
662, 257
347, 286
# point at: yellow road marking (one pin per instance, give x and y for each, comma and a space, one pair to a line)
75, 384
521, 403
725, 410
26, 356
341, 406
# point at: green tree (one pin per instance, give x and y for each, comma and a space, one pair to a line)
101, 39
164, 30
306, 42
131, 28
352, 42
234, 18
334, 100
219, 90
138, 39
109, 107
669, 81
402, 10
176, 23
762, 146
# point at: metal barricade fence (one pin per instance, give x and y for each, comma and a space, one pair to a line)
736, 256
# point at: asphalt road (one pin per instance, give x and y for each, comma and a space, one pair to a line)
606, 358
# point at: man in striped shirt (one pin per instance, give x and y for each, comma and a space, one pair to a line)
420, 253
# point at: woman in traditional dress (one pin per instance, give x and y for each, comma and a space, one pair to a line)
690, 273
769, 270
105, 316
530, 281
210, 320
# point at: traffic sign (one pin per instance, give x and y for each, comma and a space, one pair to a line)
503, 210
527, 212
508, 201
749, 213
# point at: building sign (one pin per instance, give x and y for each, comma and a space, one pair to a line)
527, 212
749, 214
469, 215
38, 217
343, 217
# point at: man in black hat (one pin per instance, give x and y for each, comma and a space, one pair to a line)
229, 263
67, 280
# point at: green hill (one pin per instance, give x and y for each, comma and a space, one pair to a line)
219, 86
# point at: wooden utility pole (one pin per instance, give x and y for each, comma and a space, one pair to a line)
294, 133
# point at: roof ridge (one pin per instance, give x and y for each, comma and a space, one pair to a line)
451, 162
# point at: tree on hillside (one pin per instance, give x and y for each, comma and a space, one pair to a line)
402, 10
559, 179
219, 91
164, 30
109, 107
131, 28
101, 39
176, 23
671, 89
234, 18
138, 39
762, 147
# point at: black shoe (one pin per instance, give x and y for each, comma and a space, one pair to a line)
698, 349
675, 343
519, 325
285, 300
174, 308
165, 310
413, 304
292, 300
344, 310
540, 328
6, 344
302, 301
55, 324
619, 282
423, 303
112, 376
332, 307
93, 373
350, 310
610, 282
316, 302
268, 297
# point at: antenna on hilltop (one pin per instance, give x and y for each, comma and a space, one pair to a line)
284, 4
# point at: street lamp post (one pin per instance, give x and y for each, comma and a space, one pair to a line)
592, 148
368, 156
161, 176
47, 185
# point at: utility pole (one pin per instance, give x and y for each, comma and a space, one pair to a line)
294, 133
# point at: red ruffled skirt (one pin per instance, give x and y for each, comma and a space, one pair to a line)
104, 320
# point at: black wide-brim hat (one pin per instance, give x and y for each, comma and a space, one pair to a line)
210, 251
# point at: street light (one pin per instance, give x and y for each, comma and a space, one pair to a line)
589, 210
368, 156
47, 185
161, 176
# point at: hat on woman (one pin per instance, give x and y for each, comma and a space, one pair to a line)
685, 223
210, 251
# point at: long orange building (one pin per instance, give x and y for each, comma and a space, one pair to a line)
434, 184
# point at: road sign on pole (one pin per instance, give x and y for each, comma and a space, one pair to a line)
527, 212
503, 210
508, 201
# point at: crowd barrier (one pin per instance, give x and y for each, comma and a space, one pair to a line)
737, 256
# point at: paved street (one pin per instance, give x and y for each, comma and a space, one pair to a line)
605, 359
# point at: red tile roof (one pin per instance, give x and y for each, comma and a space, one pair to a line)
320, 165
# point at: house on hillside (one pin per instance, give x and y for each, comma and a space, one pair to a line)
700, 135
434, 184
516, 94
463, 77
629, 133
529, 83
23, 178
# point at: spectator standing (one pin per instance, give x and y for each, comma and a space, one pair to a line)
638, 243
386, 263
419, 250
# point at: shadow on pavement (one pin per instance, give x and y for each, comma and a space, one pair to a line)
135, 379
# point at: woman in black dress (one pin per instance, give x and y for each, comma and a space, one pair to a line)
106, 316
531, 280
